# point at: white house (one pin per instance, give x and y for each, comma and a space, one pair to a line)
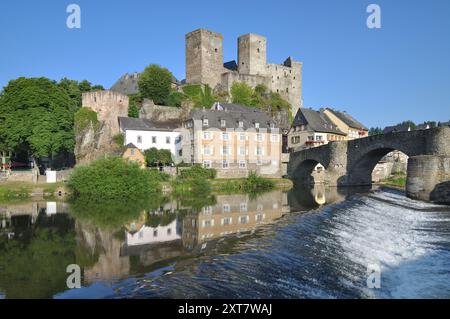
151, 235
146, 134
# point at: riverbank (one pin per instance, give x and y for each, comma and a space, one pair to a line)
21, 190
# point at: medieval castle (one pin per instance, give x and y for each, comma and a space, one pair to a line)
204, 65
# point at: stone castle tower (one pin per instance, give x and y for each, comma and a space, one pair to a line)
204, 65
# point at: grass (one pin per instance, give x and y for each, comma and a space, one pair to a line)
23, 190
396, 180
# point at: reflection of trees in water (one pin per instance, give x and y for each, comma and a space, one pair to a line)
33, 263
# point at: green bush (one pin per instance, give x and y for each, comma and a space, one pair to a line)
158, 176
111, 178
198, 171
84, 117
154, 157
255, 183
175, 99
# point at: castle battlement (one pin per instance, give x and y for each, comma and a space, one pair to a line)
205, 65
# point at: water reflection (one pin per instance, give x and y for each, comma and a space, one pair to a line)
168, 230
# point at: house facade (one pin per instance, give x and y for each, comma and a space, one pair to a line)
145, 134
134, 154
312, 128
346, 123
234, 140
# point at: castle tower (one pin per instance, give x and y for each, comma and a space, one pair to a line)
252, 54
204, 57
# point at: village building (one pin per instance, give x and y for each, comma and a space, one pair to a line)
134, 155
346, 123
146, 134
234, 140
313, 128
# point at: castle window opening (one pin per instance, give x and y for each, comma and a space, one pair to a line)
257, 50
287, 90
215, 50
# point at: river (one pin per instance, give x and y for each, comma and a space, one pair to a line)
308, 243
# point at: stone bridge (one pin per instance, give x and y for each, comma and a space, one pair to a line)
350, 163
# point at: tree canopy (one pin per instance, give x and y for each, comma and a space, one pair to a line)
36, 114
154, 156
155, 83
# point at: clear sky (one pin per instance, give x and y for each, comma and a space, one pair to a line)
380, 76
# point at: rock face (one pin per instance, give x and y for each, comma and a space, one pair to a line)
95, 140
159, 113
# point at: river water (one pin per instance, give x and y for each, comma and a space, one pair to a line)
307, 243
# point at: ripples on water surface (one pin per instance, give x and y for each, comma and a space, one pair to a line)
320, 254
312, 252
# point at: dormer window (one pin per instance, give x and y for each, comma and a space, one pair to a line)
272, 125
256, 125
223, 123
241, 124
205, 122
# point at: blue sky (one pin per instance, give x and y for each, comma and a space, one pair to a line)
381, 77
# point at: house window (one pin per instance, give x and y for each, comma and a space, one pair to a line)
169, 231
242, 164
272, 125
225, 164
318, 137
139, 139
241, 124
295, 139
242, 151
226, 221
133, 152
259, 137
259, 151
208, 223
256, 125
225, 136
207, 164
259, 217
274, 138
223, 123
260, 207
226, 208
243, 207
205, 122
206, 135
259, 162
243, 219
208, 150
155, 233
167, 139
226, 150
241, 137
310, 138
153, 139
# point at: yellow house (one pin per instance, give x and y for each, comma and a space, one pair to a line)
346, 123
133, 154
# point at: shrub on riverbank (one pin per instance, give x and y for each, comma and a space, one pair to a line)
197, 171
252, 184
112, 178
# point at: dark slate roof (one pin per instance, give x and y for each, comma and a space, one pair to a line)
130, 145
396, 128
233, 114
315, 121
129, 123
348, 119
231, 65
128, 83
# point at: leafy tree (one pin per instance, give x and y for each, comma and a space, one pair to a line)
200, 95
154, 157
133, 111
242, 93
375, 131
72, 88
36, 115
155, 83
409, 123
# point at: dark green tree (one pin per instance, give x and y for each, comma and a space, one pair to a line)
375, 131
155, 83
36, 115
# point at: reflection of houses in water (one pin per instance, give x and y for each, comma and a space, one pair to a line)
232, 214
26, 214
149, 235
